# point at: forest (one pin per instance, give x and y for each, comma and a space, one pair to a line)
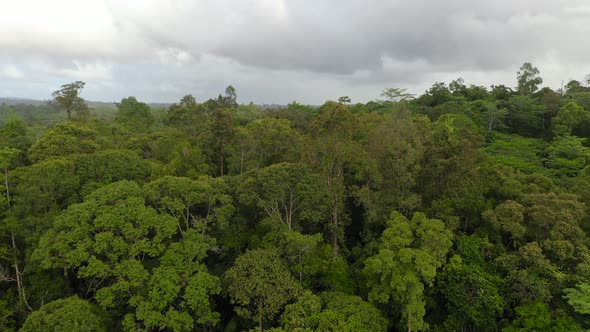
465, 208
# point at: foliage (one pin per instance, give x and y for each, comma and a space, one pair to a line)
70, 314
465, 208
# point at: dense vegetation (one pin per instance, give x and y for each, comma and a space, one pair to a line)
464, 209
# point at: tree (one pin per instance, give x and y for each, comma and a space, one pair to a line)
222, 132
471, 288
230, 98
133, 115
65, 138
198, 204
68, 98
260, 285
70, 314
570, 116
333, 153
129, 254
189, 116
344, 100
287, 193
410, 252
579, 298
528, 79
492, 116
396, 94
332, 311
536, 317
261, 143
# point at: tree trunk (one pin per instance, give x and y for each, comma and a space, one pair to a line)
221, 160
19, 283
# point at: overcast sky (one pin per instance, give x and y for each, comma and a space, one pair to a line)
278, 51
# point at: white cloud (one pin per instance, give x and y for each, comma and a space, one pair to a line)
12, 72
280, 50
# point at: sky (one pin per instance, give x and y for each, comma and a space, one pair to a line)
279, 51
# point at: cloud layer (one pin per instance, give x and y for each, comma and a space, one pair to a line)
277, 51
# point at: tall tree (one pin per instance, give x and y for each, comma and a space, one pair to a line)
260, 284
68, 98
410, 252
528, 79
133, 115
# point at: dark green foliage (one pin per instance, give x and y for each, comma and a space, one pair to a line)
133, 115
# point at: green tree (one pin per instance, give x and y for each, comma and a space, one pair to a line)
472, 290
261, 143
410, 252
200, 204
287, 193
579, 298
528, 79
70, 314
332, 311
536, 317
260, 284
65, 138
68, 98
125, 253
133, 115
333, 153
189, 116
396, 94
569, 118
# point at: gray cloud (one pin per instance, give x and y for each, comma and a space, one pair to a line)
281, 50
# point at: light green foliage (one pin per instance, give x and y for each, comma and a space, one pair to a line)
517, 152
260, 285
65, 138
332, 311
133, 115
65, 315
410, 252
579, 298
179, 289
536, 317
108, 235
200, 204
